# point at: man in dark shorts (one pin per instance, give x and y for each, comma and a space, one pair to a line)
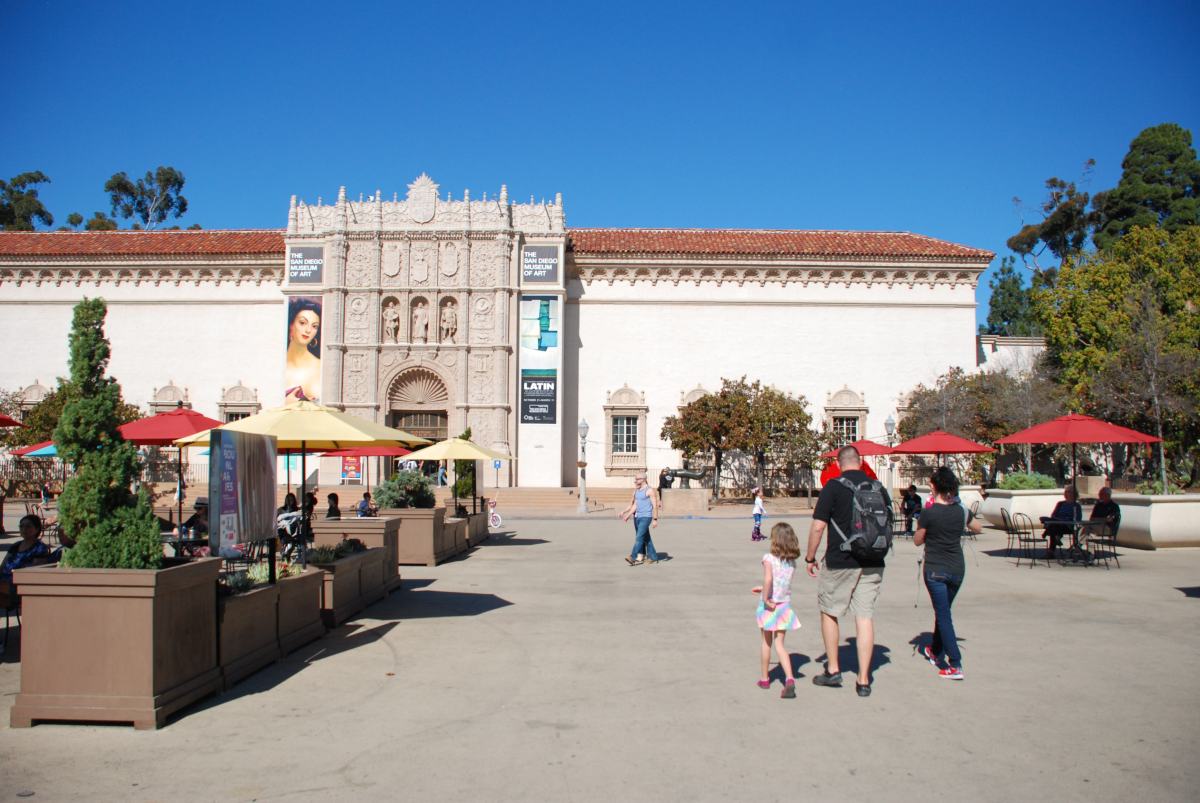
847, 584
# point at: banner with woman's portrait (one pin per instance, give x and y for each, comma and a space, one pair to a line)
302, 367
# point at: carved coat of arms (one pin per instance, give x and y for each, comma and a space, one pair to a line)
422, 199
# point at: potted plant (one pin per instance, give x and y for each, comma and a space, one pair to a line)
116, 633
374, 531
1032, 494
353, 578
1158, 517
247, 623
422, 538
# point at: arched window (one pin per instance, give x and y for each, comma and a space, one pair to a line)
625, 432
846, 415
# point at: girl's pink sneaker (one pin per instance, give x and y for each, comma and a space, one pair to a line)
765, 683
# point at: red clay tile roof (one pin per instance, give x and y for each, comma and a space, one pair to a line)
258, 242
764, 242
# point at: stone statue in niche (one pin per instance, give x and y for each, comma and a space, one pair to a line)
420, 323
449, 322
391, 323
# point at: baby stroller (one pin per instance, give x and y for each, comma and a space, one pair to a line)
288, 526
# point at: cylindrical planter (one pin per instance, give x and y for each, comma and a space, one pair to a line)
247, 632
116, 645
300, 609
1158, 522
1034, 504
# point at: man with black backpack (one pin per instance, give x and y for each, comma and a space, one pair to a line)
858, 514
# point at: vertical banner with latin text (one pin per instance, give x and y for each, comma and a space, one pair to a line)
540, 327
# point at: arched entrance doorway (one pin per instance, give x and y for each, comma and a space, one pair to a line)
419, 403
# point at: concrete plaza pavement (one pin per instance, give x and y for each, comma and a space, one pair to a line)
542, 667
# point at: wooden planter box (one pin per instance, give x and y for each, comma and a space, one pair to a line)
423, 539
247, 632
351, 584
380, 531
300, 610
116, 645
456, 534
477, 528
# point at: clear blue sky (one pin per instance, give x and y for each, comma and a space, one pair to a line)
926, 117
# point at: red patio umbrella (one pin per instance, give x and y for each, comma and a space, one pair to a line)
7, 421
163, 430
833, 471
1074, 429
940, 443
369, 451
865, 448
24, 450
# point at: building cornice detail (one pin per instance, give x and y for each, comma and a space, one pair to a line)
142, 270
764, 271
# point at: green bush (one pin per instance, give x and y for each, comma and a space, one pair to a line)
1155, 488
113, 527
1027, 482
405, 489
464, 486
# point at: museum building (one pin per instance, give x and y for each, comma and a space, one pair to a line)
435, 314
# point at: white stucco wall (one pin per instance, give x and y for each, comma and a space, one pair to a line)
664, 339
1017, 355
201, 336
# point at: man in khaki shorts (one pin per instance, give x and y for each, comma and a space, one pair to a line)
847, 583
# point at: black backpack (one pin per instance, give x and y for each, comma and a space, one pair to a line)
870, 535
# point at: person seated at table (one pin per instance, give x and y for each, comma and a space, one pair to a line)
334, 511
367, 508
197, 523
31, 550
1107, 510
1058, 524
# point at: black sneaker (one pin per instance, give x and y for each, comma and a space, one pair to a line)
825, 679
863, 689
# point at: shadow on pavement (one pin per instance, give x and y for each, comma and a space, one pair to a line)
848, 657
1189, 591
799, 659
508, 540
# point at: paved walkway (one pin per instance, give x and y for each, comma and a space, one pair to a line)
541, 667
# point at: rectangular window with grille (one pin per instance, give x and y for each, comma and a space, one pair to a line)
231, 417
845, 430
624, 434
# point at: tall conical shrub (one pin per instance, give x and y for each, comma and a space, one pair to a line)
113, 528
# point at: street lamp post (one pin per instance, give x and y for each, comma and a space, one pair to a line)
583, 432
890, 426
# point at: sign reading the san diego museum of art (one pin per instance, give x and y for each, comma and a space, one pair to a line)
539, 263
306, 265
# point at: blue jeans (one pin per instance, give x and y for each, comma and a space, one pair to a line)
943, 588
642, 542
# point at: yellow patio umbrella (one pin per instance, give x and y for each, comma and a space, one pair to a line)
458, 449
306, 426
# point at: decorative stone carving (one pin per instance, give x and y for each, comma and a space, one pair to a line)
359, 263
422, 263
422, 199
448, 358
450, 260
481, 320
481, 427
391, 320
417, 387
357, 323
356, 377
388, 359
169, 397
532, 217
391, 261
486, 262
420, 321
480, 380
449, 321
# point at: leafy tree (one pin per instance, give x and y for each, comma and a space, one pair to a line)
714, 424
75, 220
113, 528
1160, 186
100, 222
20, 207
151, 199
780, 429
42, 419
1010, 309
1063, 229
1125, 317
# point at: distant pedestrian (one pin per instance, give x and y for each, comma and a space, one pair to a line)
441, 475
367, 508
334, 512
775, 615
941, 529
759, 512
858, 513
643, 507
910, 505
47, 495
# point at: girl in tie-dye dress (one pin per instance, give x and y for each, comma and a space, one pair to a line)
775, 614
